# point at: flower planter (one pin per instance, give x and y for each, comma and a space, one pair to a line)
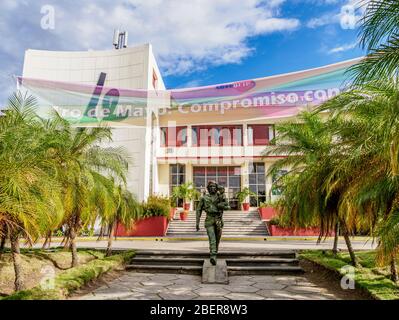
183, 215
172, 213
148, 227
267, 213
280, 231
245, 206
186, 206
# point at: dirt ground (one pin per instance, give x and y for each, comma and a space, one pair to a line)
327, 279
34, 266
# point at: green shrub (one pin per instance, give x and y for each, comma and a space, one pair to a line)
268, 204
244, 194
156, 206
275, 221
185, 191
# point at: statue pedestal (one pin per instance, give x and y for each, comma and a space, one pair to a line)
215, 274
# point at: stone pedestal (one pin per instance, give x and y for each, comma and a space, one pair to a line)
215, 274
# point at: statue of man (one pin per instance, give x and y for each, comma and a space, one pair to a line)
213, 204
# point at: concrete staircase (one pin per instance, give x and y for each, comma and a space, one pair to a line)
238, 263
236, 224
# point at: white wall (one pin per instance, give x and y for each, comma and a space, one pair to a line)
130, 68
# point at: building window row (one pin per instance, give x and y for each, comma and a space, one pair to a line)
216, 136
209, 136
229, 177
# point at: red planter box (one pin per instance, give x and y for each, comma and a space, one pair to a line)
186, 206
267, 213
149, 227
245, 206
279, 231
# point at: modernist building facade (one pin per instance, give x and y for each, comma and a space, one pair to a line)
193, 142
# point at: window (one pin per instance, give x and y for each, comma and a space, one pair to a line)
204, 136
177, 176
174, 137
260, 134
257, 183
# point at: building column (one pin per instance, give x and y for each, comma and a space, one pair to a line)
189, 178
245, 135
189, 137
244, 175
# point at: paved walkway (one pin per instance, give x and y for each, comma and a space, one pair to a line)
143, 286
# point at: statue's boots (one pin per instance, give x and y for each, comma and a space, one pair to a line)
213, 260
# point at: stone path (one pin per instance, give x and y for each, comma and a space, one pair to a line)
144, 286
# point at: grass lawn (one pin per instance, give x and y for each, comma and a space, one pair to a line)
375, 280
92, 264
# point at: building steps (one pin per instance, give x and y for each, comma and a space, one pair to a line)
236, 224
238, 263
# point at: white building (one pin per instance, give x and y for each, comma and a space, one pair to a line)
131, 68
182, 146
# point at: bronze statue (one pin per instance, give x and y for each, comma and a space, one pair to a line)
213, 203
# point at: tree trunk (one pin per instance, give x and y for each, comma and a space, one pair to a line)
349, 245
110, 238
394, 270
74, 250
336, 237
16, 257
47, 241
2, 244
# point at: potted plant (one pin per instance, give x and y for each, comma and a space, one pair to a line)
243, 195
185, 191
267, 210
183, 215
154, 219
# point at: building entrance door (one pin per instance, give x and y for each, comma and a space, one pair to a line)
228, 177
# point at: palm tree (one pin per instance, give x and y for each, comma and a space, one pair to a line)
125, 211
3, 239
311, 156
369, 132
389, 243
30, 198
379, 35
82, 164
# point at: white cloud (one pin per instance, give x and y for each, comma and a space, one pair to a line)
323, 20
343, 48
186, 35
191, 84
347, 14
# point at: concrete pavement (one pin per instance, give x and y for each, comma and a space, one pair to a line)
144, 286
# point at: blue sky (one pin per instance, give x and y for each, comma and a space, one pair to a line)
197, 42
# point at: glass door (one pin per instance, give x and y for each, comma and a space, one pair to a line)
228, 177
